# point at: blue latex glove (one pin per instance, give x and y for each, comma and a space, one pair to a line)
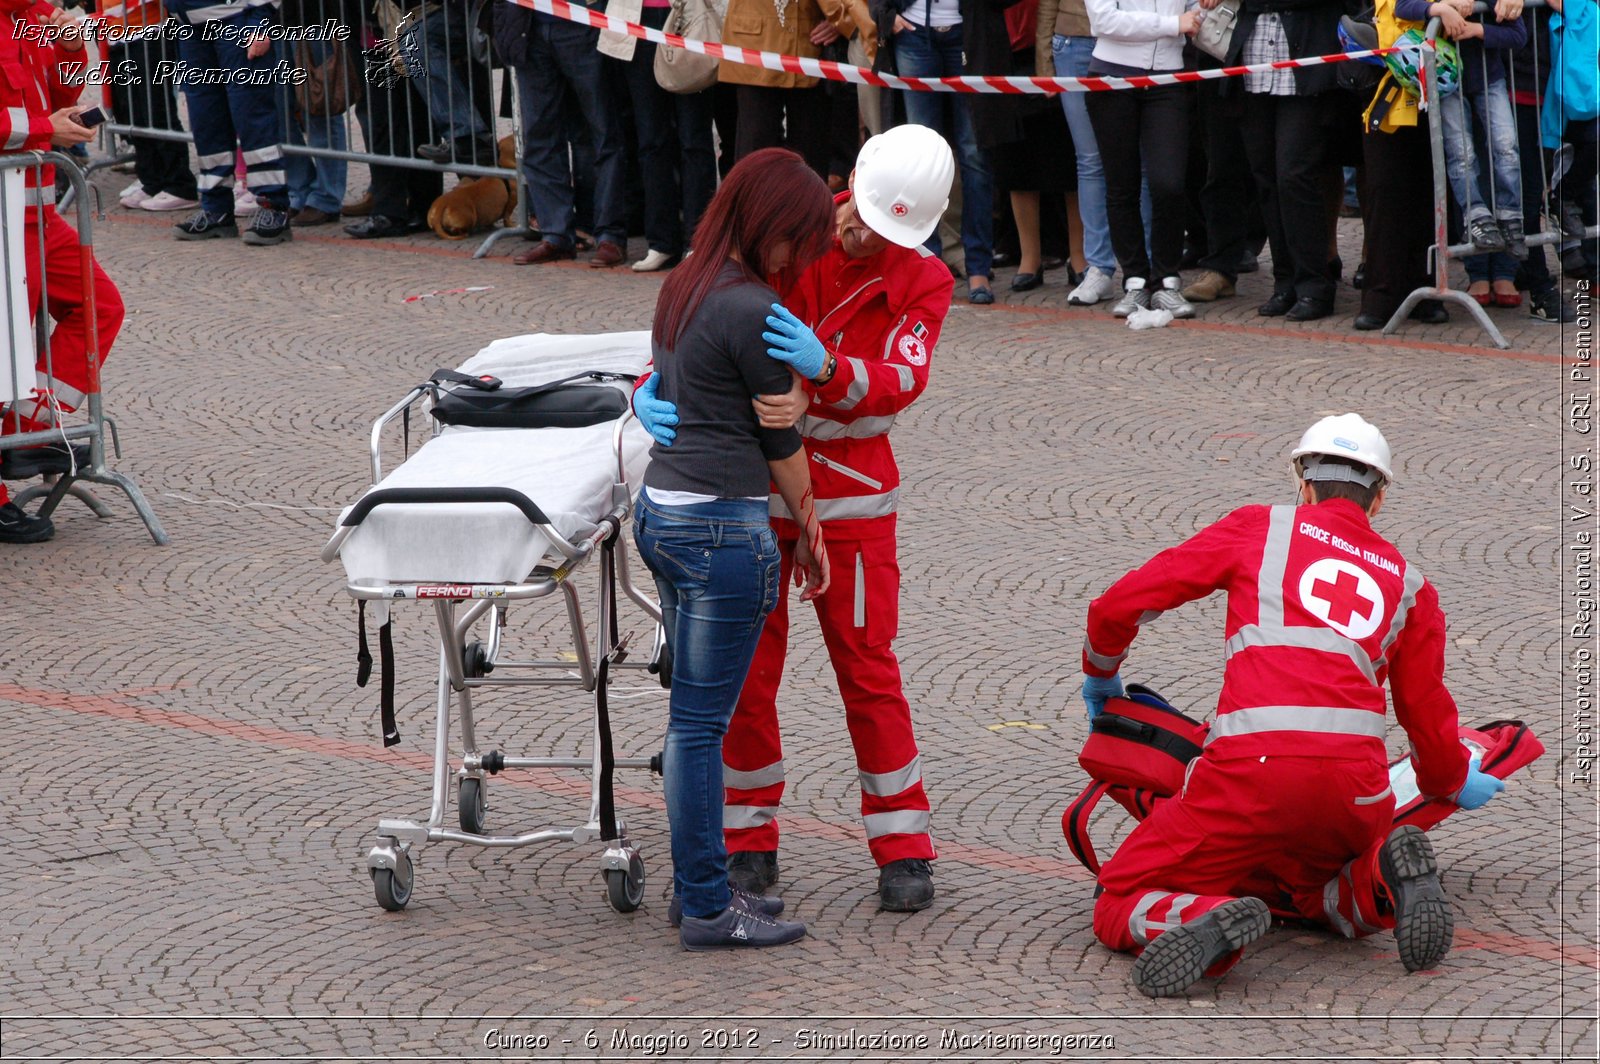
1479, 788
656, 415
1096, 689
792, 342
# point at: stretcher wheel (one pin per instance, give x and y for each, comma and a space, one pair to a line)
472, 805
662, 666
392, 887
625, 890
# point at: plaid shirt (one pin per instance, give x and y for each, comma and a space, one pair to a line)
1268, 43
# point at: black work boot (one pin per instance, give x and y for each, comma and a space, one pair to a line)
1175, 960
753, 871
25, 463
1424, 926
17, 526
905, 886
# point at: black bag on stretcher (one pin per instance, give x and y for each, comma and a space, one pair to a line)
1140, 748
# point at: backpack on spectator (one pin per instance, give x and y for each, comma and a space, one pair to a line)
330, 88
682, 71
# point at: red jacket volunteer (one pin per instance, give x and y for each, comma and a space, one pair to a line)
1290, 802
33, 96
876, 301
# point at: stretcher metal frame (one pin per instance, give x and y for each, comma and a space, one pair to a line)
465, 666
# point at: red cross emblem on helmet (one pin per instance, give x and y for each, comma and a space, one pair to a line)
899, 210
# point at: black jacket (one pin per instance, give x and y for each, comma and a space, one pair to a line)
1312, 27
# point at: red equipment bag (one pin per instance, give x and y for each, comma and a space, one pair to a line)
1142, 742
1141, 757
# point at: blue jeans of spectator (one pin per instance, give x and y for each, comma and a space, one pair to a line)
316, 181
677, 158
1495, 266
926, 53
562, 64
432, 49
1071, 56
717, 572
1493, 110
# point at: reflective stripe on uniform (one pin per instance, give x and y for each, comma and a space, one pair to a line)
858, 385
1174, 914
898, 822
1326, 720
849, 508
859, 616
18, 119
263, 178
65, 394
765, 776
1254, 635
1412, 581
221, 158
889, 784
821, 428
270, 154
1102, 661
39, 197
205, 181
1274, 564
1330, 907
736, 817
908, 379
1137, 922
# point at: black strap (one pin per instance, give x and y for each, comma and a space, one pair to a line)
385, 496
1121, 727
391, 734
1075, 826
602, 714
363, 655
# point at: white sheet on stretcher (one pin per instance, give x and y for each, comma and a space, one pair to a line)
567, 473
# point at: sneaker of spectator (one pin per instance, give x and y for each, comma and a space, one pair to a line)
1169, 297
1551, 306
1097, 285
244, 201
1134, 297
166, 201
133, 196
655, 260
1484, 234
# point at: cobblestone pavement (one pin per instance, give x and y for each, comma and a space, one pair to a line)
193, 779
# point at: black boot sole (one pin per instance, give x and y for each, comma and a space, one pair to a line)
1175, 960
1424, 925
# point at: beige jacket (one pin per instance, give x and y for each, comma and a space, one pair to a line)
1064, 18
754, 24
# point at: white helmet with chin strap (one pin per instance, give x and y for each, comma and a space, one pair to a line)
1351, 438
902, 183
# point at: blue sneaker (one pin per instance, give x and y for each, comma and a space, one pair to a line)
737, 928
752, 902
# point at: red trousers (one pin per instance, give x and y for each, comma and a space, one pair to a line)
859, 615
1300, 833
64, 299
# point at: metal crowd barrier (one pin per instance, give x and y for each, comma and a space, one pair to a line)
19, 309
417, 78
1443, 252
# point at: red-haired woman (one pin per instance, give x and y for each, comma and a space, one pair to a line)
702, 522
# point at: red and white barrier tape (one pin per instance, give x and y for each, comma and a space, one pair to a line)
826, 68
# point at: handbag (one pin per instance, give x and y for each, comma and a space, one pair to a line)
569, 403
678, 69
1216, 29
329, 87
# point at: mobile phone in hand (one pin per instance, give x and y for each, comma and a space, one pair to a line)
91, 118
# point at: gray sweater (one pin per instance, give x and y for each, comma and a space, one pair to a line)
717, 366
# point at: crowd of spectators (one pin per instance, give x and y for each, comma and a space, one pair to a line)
1178, 189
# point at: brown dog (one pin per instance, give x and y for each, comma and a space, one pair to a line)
475, 204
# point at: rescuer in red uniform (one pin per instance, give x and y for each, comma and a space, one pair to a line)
38, 111
1290, 802
858, 327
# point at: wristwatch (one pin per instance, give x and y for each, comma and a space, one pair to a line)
828, 370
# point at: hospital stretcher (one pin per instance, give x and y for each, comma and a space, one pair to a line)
480, 518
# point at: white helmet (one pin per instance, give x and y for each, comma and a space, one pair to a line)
902, 183
1347, 436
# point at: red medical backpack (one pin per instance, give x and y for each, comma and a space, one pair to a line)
1140, 747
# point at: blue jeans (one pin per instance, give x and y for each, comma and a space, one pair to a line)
1071, 55
1493, 109
562, 60
316, 181
430, 51
924, 53
717, 572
